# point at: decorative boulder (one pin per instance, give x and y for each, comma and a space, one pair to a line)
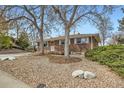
81, 76
78, 73
89, 75
7, 58
11, 58
3, 58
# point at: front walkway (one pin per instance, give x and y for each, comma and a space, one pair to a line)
8, 81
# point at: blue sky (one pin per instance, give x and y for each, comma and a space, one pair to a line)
87, 28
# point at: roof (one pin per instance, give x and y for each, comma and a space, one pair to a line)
96, 36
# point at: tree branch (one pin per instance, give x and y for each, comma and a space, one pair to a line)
73, 14
91, 20
79, 18
21, 17
42, 17
59, 12
26, 9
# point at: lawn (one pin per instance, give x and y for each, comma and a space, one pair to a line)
112, 56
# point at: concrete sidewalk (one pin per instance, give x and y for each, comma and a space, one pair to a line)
8, 81
16, 55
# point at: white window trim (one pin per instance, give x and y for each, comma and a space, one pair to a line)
61, 42
46, 42
69, 41
75, 40
87, 40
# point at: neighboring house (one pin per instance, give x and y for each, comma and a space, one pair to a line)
118, 38
77, 43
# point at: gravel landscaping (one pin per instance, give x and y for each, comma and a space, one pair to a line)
61, 60
35, 70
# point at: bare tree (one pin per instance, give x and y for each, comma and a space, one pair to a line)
30, 16
104, 25
72, 15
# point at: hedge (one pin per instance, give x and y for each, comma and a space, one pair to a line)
112, 56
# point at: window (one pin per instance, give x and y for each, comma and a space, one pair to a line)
62, 42
84, 40
78, 40
72, 41
46, 44
81, 40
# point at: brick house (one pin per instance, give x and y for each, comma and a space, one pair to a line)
77, 43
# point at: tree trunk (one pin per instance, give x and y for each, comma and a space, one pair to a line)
41, 30
103, 41
41, 42
66, 49
17, 34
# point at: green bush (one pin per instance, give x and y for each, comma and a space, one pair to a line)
112, 55
106, 53
5, 42
23, 40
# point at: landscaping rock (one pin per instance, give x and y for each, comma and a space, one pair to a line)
11, 58
89, 75
7, 58
78, 73
41, 86
81, 76
3, 58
